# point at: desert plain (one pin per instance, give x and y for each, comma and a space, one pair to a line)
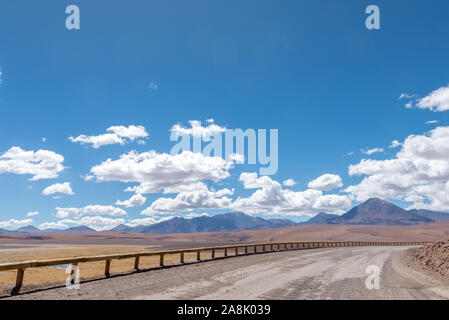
17, 248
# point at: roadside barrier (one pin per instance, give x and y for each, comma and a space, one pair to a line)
241, 249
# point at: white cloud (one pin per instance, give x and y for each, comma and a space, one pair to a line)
13, 223
432, 122
252, 181
197, 130
326, 182
53, 225
395, 144
97, 223
196, 215
32, 213
67, 213
271, 198
238, 158
289, 183
87, 177
116, 135
70, 213
406, 96
41, 164
200, 198
185, 187
437, 100
372, 151
420, 170
1, 79
103, 210
155, 171
147, 221
135, 201
64, 188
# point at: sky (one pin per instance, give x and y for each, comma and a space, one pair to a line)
86, 115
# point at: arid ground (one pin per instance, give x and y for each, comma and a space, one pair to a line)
326, 273
14, 248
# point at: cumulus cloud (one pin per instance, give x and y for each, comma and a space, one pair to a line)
41, 164
70, 213
96, 222
53, 225
372, 151
67, 213
32, 213
289, 183
251, 180
419, 171
271, 198
432, 122
103, 210
115, 135
437, 100
135, 201
13, 223
326, 182
197, 130
188, 200
64, 188
156, 171
147, 221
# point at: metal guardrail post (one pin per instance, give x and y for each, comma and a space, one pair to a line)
107, 268
161, 260
136, 263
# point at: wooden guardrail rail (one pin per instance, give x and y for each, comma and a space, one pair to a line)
250, 248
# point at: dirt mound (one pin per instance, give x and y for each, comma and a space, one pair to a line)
434, 256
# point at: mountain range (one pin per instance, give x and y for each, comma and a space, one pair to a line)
372, 212
233, 221
33, 230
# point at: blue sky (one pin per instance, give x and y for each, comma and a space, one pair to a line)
309, 69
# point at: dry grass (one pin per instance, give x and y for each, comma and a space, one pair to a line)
19, 253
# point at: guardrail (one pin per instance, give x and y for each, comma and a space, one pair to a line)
247, 249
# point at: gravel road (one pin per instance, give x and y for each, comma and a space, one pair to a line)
329, 273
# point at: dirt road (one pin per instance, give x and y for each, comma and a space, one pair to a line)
332, 273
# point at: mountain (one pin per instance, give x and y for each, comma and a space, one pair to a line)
321, 218
379, 212
434, 215
33, 230
29, 229
74, 230
221, 222
4, 231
